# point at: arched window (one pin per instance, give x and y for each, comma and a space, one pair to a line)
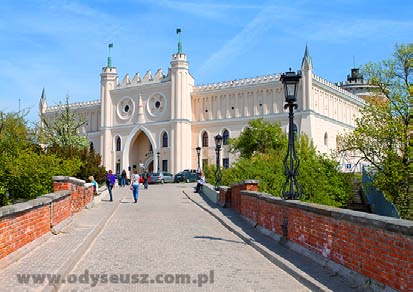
118, 144
165, 139
326, 139
91, 147
225, 136
205, 139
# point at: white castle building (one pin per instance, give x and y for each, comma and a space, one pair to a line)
157, 121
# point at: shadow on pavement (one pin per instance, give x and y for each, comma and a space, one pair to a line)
301, 263
217, 238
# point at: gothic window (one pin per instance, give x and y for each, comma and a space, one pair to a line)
205, 139
165, 139
118, 144
326, 139
225, 136
91, 147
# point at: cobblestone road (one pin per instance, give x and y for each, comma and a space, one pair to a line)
164, 239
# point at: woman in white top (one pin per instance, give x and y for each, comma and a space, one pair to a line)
135, 185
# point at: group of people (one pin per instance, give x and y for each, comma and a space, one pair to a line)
135, 181
134, 185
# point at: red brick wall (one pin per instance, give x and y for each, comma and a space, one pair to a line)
23, 223
61, 209
61, 186
237, 188
77, 199
249, 207
225, 197
380, 248
81, 195
17, 230
89, 195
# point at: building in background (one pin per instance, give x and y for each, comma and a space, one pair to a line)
157, 120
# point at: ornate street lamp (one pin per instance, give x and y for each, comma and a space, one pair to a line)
218, 174
291, 190
198, 153
158, 154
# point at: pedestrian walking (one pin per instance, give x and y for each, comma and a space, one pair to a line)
123, 178
110, 182
135, 185
145, 179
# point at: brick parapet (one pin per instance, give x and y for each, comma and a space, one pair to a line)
251, 185
224, 199
24, 222
378, 247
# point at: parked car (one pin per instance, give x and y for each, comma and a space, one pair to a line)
161, 177
186, 176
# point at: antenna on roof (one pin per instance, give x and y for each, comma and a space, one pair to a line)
354, 62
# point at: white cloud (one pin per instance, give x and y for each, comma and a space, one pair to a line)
252, 34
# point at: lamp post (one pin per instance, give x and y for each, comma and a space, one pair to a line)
198, 153
291, 189
158, 154
218, 174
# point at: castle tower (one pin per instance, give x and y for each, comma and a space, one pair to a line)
42, 108
307, 80
181, 109
108, 79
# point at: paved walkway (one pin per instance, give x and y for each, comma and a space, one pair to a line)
171, 236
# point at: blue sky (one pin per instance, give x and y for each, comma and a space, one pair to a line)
62, 45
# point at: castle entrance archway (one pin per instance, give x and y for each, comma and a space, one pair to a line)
141, 153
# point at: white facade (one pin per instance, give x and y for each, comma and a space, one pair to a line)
167, 114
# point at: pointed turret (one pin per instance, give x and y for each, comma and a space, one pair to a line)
307, 80
307, 62
42, 107
43, 97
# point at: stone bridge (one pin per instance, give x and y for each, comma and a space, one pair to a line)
176, 240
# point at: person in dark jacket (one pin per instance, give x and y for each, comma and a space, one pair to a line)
110, 182
145, 179
123, 178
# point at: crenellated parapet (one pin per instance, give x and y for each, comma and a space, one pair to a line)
75, 105
147, 78
336, 88
238, 83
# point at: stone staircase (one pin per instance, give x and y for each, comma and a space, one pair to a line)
357, 201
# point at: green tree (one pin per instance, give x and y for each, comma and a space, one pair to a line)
260, 136
320, 177
64, 131
14, 137
382, 129
29, 174
14, 133
91, 166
